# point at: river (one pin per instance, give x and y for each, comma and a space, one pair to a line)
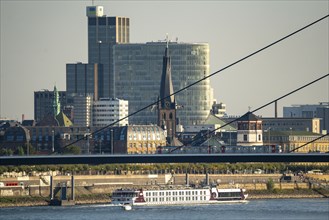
255, 209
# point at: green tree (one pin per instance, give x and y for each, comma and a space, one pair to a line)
29, 149
72, 150
20, 151
270, 184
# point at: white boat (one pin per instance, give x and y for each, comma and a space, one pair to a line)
182, 196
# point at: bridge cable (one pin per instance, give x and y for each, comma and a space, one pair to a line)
206, 77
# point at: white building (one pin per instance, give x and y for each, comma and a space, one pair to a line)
249, 131
108, 110
82, 110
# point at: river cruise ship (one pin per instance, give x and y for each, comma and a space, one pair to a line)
177, 196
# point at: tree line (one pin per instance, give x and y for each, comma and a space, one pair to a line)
178, 168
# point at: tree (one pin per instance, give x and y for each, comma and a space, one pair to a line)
29, 149
72, 150
20, 151
270, 184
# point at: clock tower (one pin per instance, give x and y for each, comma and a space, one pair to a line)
166, 101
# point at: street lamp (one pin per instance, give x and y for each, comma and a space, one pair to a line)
53, 140
100, 146
208, 139
290, 139
111, 141
88, 143
269, 135
147, 141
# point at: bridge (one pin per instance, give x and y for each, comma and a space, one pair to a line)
163, 158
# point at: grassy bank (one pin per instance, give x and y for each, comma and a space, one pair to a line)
288, 193
104, 198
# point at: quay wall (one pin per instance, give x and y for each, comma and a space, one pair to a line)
105, 184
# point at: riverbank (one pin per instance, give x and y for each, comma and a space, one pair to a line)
104, 198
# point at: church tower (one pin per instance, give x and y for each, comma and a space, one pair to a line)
56, 103
167, 103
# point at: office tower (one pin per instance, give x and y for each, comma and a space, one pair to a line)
82, 105
44, 103
103, 33
84, 79
133, 71
138, 69
109, 110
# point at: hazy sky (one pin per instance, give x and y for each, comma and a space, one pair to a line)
38, 38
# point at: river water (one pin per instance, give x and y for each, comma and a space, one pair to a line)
255, 209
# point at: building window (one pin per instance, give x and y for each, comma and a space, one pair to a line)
245, 137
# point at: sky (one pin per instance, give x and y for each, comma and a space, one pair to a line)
38, 38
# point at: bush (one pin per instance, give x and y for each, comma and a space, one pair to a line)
270, 185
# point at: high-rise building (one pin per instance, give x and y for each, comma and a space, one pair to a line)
103, 33
109, 110
133, 71
138, 69
84, 79
82, 105
44, 103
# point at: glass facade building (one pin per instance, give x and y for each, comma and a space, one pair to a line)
137, 76
103, 33
84, 79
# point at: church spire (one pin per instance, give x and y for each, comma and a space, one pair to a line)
166, 87
167, 104
56, 103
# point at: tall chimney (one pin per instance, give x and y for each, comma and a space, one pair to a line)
276, 109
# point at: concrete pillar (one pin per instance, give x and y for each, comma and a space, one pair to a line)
187, 179
51, 187
276, 109
63, 191
207, 178
72, 188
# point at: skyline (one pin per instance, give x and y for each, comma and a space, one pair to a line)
239, 29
